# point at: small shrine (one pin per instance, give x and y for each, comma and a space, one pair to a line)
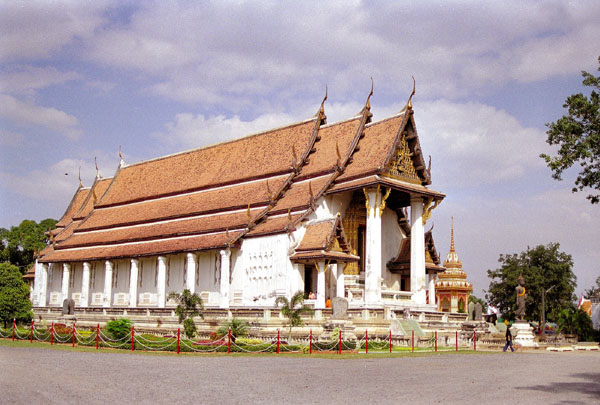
452, 288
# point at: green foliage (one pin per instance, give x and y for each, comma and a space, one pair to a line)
542, 267
576, 322
594, 291
19, 244
119, 328
578, 135
293, 309
239, 328
188, 306
14, 295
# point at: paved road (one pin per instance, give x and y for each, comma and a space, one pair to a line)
45, 375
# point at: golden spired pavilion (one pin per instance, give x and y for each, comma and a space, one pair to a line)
452, 288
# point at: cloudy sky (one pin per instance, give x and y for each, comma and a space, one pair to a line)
78, 79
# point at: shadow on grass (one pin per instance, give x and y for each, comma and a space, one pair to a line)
589, 386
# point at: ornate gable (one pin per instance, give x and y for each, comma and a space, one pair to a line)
401, 166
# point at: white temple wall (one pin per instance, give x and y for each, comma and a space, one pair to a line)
120, 283
262, 271
75, 282
391, 240
54, 284
96, 283
329, 206
175, 276
208, 277
148, 282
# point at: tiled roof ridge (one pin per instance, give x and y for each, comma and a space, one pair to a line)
214, 145
79, 215
320, 118
63, 217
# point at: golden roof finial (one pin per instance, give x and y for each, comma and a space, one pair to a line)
409, 104
80, 182
368, 103
322, 109
122, 161
98, 176
452, 247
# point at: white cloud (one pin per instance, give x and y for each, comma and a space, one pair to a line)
11, 138
28, 114
228, 56
35, 30
28, 79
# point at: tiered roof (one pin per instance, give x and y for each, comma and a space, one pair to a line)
401, 263
211, 197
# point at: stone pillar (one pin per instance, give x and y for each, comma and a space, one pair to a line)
454, 303
108, 272
85, 285
161, 281
373, 247
133, 282
340, 285
65, 281
191, 273
43, 285
321, 268
225, 261
432, 289
417, 251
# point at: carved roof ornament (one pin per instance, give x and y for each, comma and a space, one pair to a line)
294, 158
121, 160
269, 195
339, 155
402, 167
322, 108
79, 177
409, 103
98, 175
248, 213
310, 192
385, 197
428, 208
367, 106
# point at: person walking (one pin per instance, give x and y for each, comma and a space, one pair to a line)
509, 339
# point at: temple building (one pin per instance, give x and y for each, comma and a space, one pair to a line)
452, 287
335, 209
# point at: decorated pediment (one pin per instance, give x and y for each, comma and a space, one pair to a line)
402, 166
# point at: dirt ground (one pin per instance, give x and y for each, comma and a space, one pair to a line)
47, 375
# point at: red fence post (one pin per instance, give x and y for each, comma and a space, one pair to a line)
14, 324
413, 341
456, 341
367, 341
277, 341
132, 337
340, 342
436, 340
51, 334
97, 335
31, 335
390, 340
310, 343
73, 334
179, 337
475, 340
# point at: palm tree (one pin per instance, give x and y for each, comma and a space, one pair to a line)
188, 306
238, 329
289, 310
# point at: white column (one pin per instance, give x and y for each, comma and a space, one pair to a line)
161, 281
36, 284
43, 285
133, 282
65, 281
225, 260
340, 286
191, 273
108, 272
432, 289
85, 285
321, 268
417, 251
373, 262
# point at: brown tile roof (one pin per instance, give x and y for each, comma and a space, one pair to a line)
384, 181
96, 192
324, 240
256, 156
74, 206
324, 255
136, 249
402, 260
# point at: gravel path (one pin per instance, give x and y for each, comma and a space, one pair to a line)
46, 375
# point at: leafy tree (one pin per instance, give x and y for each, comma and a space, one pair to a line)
594, 291
576, 322
20, 243
119, 328
188, 306
238, 329
293, 309
14, 295
578, 134
542, 267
